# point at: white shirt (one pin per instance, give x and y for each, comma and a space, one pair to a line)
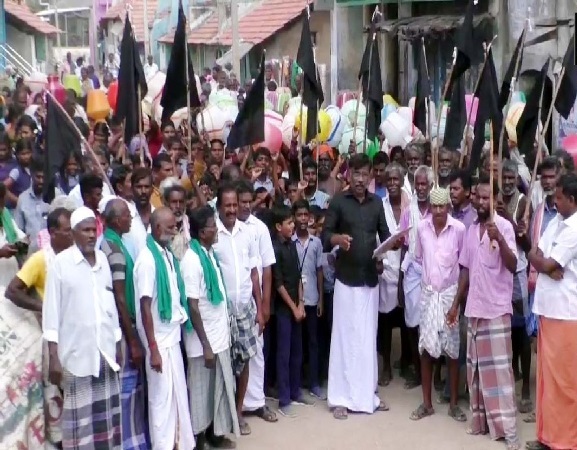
166, 334
150, 70
558, 299
214, 318
79, 312
135, 239
265, 251
77, 196
237, 253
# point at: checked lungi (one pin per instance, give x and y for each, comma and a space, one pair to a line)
435, 336
490, 377
211, 394
243, 336
91, 413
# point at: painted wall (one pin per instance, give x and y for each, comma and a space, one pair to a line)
22, 43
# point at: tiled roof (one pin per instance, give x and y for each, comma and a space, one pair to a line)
20, 12
118, 12
258, 24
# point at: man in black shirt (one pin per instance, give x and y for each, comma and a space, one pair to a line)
353, 221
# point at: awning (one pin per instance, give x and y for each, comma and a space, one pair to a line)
416, 27
20, 13
243, 49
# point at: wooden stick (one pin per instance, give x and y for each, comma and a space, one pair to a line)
371, 48
186, 75
83, 140
356, 122
140, 133
541, 138
465, 131
429, 130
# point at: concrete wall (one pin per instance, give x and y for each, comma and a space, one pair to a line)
21, 42
350, 45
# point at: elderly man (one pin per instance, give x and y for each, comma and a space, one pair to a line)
117, 220
555, 259
210, 377
439, 245
488, 262
26, 290
354, 219
80, 323
174, 197
160, 311
411, 271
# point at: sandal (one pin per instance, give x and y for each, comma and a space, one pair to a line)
244, 428
382, 406
472, 432
421, 412
525, 406
531, 418
340, 413
223, 442
514, 445
536, 445
412, 383
266, 414
457, 413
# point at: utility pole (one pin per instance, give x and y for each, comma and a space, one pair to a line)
145, 37
56, 23
235, 51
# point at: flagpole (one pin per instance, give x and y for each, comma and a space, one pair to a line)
359, 98
186, 75
140, 133
429, 130
508, 104
541, 137
464, 149
83, 140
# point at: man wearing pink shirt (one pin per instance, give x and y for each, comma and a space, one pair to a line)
488, 262
439, 246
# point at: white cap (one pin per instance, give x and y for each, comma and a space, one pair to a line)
80, 215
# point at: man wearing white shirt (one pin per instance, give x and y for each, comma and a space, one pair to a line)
210, 378
237, 252
150, 68
555, 259
255, 397
160, 312
80, 323
141, 210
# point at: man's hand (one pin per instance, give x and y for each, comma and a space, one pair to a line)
380, 266
302, 185
260, 322
521, 228
255, 173
265, 313
54, 370
344, 242
135, 352
155, 359
453, 316
8, 251
493, 232
320, 309
557, 274
209, 358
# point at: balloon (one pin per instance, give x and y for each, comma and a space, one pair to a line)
324, 125
569, 144
470, 100
387, 109
272, 136
214, 119
349, 110
274, 117
288, 125
223, 99
37, 82
389, 100
113, 94
397, 130
338, 123
513, 116
406, 112
359, 138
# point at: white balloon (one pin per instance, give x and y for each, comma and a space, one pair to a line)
352, 133
339, 123
397, 130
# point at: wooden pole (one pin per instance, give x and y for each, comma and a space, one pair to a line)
140, 133
186, 75
356, 123
429, 130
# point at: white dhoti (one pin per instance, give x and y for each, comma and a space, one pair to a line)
412, 288
254, 398
435, 336
168, 412
353, 355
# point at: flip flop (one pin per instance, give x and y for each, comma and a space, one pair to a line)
244, 428
340, 413
382, 406
421, 412
457, 413
525, 406
266, 414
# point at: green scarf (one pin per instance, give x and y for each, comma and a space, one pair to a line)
163, 284
8, 224
114, 237
213, 291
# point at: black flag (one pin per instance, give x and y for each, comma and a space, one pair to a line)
423, 92
456, 117
248, 127
507, 79
465, 44
488, 110
528, 123
174, 92
61, 141
312, 91
130, 77
568, 87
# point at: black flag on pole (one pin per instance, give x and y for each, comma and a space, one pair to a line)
423, 92
568, 87
510, 74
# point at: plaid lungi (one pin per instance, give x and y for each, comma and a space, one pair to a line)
211, 394
490, 377
243, 335
91, 413
133, 404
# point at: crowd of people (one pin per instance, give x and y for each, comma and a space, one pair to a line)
177, 294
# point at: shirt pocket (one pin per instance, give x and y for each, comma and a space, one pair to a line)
489, 257
447, 258
245, 259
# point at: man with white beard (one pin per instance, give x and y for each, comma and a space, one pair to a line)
445, 166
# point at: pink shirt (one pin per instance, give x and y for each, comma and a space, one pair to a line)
490, 283
439, 255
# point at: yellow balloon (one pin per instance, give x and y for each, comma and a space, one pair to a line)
324, 125
389, 100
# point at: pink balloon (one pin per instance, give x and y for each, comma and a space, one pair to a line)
469, 99
272, 136
569, 144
